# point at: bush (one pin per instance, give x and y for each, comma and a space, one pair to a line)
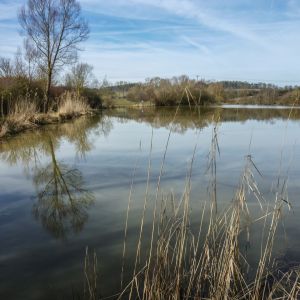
93, 97
175, 91
14, 90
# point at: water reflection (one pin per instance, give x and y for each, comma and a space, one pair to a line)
81, 175
63, 199
62, 196
200, 117
25, 148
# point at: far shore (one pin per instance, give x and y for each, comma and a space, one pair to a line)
10, 126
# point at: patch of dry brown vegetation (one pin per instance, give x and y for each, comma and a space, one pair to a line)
72, 104
24, 115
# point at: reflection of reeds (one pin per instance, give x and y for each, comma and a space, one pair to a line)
27, 147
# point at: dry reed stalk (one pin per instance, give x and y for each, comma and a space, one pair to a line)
126, 222
72, 104
144, 207
157, 194
90, 276
212, 164
209, 264
21, 116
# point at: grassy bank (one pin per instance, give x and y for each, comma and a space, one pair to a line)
25, 115
119, 102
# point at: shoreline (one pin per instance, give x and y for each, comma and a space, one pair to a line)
12, 125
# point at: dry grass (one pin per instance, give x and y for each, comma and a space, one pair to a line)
183, 262
90, 276
19, 119
24, 114
208, 263
71, 104
23, 110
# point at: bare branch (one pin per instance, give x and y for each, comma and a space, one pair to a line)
55, 28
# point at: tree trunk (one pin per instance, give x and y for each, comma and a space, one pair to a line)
2, 107
48, 87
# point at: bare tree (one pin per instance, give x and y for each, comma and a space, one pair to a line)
6, 67
31, 57
55, 27
19, 68
80, 76
12, 68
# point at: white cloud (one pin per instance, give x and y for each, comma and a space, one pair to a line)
232, 39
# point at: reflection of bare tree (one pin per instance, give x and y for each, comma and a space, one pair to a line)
62, 199
105, 126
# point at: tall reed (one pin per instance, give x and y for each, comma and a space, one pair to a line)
72, 104
182, 260
208, 263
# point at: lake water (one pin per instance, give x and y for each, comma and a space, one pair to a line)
64, 187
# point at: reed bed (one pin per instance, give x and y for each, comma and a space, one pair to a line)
72, 104
19, 118
25, 114
207, 261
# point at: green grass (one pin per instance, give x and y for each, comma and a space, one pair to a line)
118, 102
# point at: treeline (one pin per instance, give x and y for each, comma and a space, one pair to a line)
178, 90
185, 91
235, 84
158, 91
22, 81
269, 95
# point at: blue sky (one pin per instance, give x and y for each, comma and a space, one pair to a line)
254, 40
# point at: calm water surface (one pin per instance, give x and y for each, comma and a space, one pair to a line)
65, 187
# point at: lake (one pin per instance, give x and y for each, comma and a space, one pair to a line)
65, 187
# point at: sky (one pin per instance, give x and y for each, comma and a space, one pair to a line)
251, 40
